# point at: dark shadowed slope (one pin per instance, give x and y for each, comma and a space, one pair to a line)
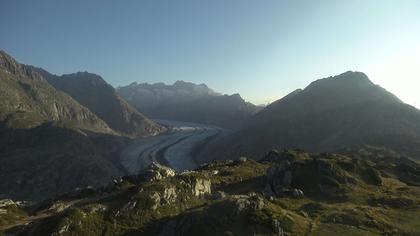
340, 112
93, 92
188, 102
49, 143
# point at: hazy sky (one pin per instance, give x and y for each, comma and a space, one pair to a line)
262, 49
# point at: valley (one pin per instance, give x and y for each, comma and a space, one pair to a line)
80, 157
177, 148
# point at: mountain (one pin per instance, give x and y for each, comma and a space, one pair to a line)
188, 102
292, 192
27, 100
50, 143
98, 96
335, 113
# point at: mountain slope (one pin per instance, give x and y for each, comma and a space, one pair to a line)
340, 112
47, 161
93, 92
27, 100
188, 102
49, 143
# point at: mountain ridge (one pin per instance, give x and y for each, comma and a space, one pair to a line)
92, 91
337, 112
26, 94
186, 101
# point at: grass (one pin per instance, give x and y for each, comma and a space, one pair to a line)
367, 208
13, 214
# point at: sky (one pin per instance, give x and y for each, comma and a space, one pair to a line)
261, 49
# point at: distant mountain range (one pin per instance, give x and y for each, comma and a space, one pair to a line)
56, 138
184, 101
346, 111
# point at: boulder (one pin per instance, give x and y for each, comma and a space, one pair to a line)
297, 193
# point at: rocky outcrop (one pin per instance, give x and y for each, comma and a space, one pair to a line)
279, 179
232, 203
197, 186
201, 187
157, 171
57, 207
165, 188
316, 175
251, 201
6, 202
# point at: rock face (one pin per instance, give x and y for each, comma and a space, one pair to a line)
279, 178
157, 171
201, 187
198, 187
184, 101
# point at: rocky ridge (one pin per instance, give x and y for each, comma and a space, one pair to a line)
287, 193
